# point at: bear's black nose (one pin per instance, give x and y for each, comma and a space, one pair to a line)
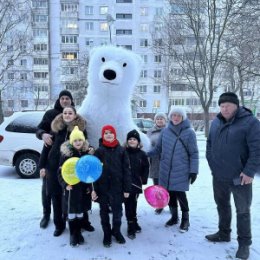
109, 74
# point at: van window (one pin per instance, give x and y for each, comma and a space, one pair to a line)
25, 123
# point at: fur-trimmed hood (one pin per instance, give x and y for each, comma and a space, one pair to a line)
68, 150
58, 124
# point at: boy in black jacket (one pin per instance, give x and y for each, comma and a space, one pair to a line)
139, 172
113, 185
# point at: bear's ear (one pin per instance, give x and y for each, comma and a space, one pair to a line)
93, 50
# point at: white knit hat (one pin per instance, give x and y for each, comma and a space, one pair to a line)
160, 114
178, 110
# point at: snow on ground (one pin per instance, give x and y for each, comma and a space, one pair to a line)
22, 239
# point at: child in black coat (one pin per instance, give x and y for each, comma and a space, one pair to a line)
76, 198
139, 165
113, 185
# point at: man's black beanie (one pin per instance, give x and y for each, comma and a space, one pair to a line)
228, 97
65, 93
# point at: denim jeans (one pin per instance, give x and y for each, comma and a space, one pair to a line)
242, 195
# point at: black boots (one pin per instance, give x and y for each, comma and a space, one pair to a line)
131, 229
45, 221
118, 235
59, 229
76, 237
174, 218
107, 241
85, 224
158, 211
185, 223
242, 252
218, 237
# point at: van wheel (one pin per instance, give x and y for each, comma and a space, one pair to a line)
26, 165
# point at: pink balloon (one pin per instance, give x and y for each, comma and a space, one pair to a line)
157, 196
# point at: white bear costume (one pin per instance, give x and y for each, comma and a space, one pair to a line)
112, 75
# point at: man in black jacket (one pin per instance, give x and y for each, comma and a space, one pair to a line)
43, 133
233, 154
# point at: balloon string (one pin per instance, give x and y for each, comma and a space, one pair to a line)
69, 203
137, 186
92, 186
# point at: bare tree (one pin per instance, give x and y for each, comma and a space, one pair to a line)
13, 37
193, 38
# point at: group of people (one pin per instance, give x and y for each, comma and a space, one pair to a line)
233, 154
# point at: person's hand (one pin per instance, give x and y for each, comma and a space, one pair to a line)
42, 173
47, 139
192, 177
126, 195
245, 179
94, 195
91, 150
69, 187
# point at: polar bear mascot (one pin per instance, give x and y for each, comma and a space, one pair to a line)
112, 75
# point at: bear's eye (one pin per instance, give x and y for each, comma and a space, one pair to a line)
103, 59
124, 65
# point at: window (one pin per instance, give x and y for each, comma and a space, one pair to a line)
124, 16
145, 58
124, 1
158, 58
10, 62
40, 75
23, 76
89, 26
143, 42
144, 27
192, 102
144, 11
69, 55
123, 32
158, 11
156, 103
10, 75
158, 42
40, 88
89, 41
89, 10
128, 47
24, 103
39, 3
68, 8
41, 102
103, 26
156, 88
69, 23
176, 102
10, 103
40, 47
157, 74
179, 87
23, 62
143, 88
10, 48
69, 39
40, 32
40, 61
142, 103
39, 18
158, 26
143, 73
23, 48
69, 70
103, 9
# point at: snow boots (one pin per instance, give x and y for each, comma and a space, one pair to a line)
45, 221
185, 223
118, 235
218, 237
131, 229
107, 241
85, 224
76, 237
174, 218
242, 252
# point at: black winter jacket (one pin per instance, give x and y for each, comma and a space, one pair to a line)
116, 176
234, 147
77, 200
139, 165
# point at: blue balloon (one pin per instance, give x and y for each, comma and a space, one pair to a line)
88, 168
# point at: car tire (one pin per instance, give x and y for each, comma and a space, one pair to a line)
26, 166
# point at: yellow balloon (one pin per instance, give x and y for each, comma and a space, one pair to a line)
68, 171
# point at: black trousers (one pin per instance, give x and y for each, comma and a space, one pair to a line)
179, 196
115, 201
155, 181
46, 198
242, 195
131, 207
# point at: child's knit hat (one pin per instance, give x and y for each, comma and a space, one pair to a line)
76, 134
133, 134
109, 128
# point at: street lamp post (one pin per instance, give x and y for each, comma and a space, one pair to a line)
110, 21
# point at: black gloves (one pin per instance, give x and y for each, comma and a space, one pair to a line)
192, 177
